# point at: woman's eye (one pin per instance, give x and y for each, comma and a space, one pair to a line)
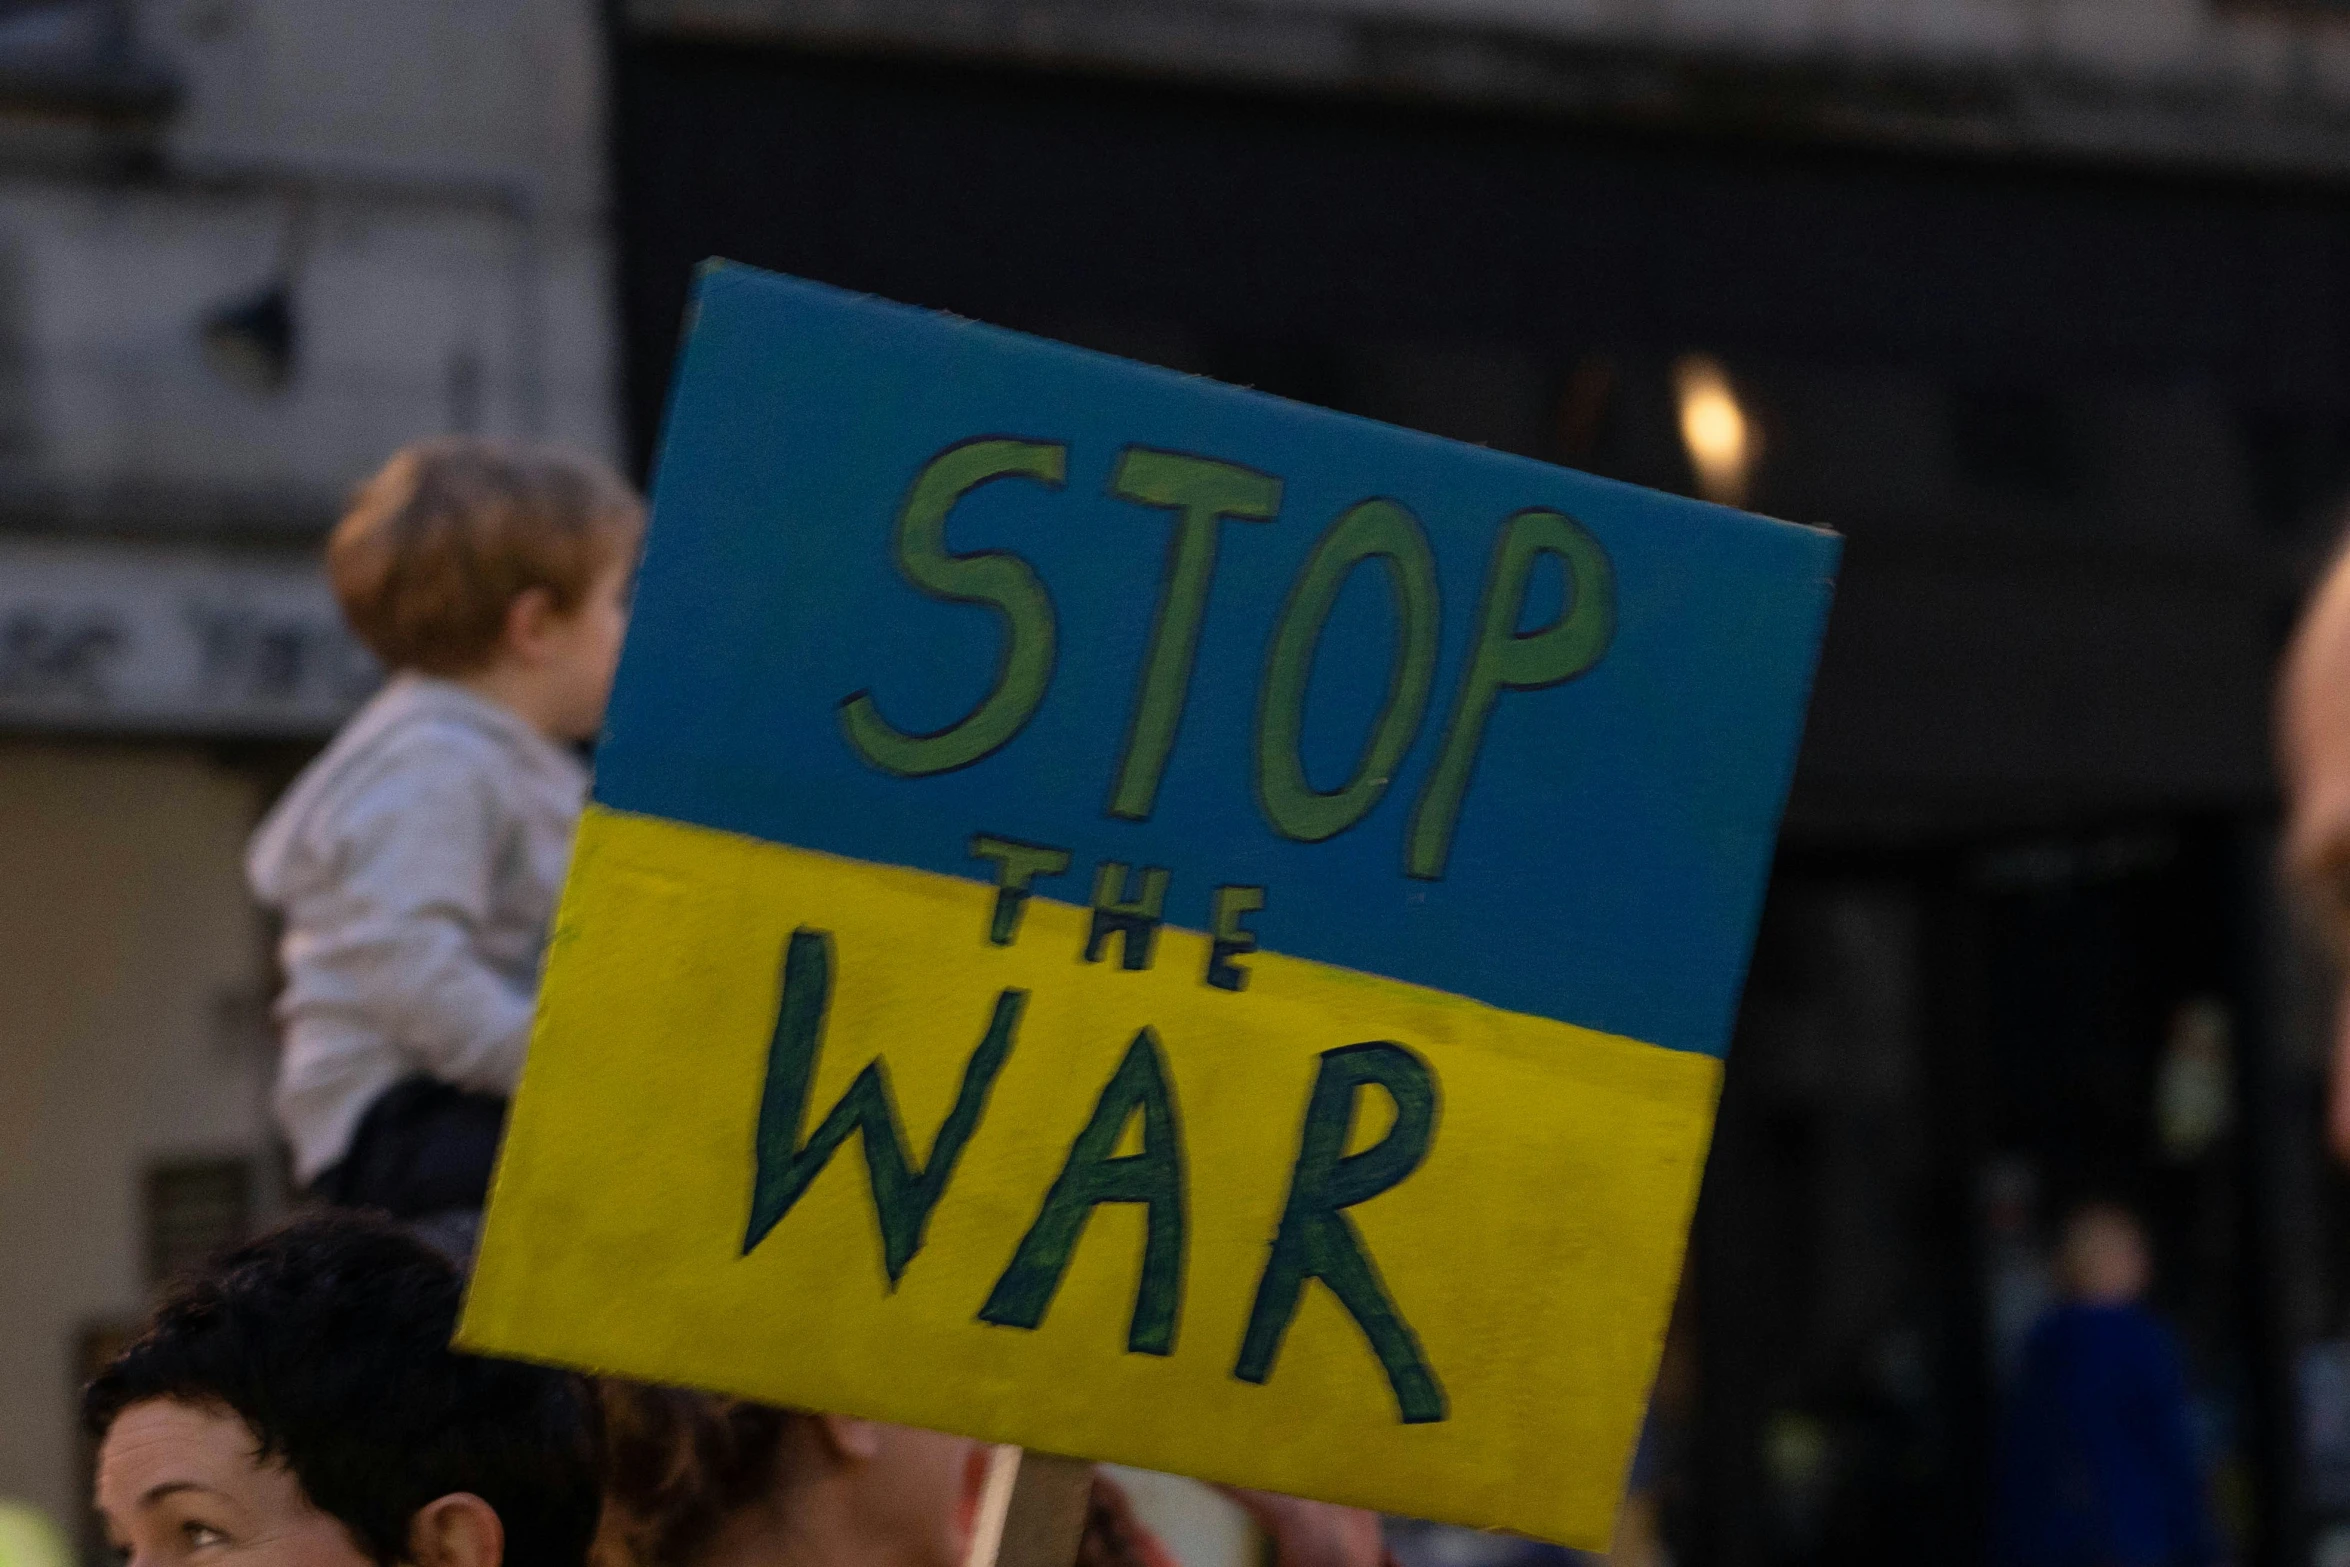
200, 1535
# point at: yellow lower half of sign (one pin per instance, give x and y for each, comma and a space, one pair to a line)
1530, 1255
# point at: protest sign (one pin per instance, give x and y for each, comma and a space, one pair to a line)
1133, 917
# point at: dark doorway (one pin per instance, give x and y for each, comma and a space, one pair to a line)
2082, 429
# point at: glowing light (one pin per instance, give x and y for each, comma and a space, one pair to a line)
1720, 438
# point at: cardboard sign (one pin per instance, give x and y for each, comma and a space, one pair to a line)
1132, 917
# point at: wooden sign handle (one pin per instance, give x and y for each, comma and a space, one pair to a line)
1032, 1512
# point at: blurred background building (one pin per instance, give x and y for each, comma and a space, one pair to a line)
2044, 303
246, 248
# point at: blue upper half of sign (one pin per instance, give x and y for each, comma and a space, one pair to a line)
1609, 854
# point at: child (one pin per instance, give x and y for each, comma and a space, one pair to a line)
417, 861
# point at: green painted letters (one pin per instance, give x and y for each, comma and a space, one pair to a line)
1316, 1239
1134, 921
1227, 937
997, 578
1203, 493
1154, 1177
1016, 865
1378, 529
1503, 658
903, 1195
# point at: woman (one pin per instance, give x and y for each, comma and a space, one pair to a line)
296, 1404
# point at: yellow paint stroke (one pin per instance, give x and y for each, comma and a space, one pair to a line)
1535, 1252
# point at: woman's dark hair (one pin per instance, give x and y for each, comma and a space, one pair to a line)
677, 1465
329, 1338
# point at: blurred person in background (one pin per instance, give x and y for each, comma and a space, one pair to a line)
417, 861
2097, 1466
693, 1480
697, 1480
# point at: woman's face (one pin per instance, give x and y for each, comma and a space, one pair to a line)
919, 1492
180, 1484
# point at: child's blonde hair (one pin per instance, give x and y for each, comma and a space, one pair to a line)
441, 541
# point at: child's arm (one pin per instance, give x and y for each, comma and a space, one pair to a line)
416, 849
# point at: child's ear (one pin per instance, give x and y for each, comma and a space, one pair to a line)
457, 1530
527, 620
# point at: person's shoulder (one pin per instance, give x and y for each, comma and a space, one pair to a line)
414, 721
445, 723
427, 746
2148, 1331
414, 772
2048, 1330
2124, 1329
2070, 1328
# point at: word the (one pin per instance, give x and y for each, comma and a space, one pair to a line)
1134, 920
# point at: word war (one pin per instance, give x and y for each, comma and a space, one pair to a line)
1314, 1241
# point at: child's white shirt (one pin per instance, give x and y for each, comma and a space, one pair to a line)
416, 864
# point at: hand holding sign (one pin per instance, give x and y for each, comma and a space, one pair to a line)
1262, 893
